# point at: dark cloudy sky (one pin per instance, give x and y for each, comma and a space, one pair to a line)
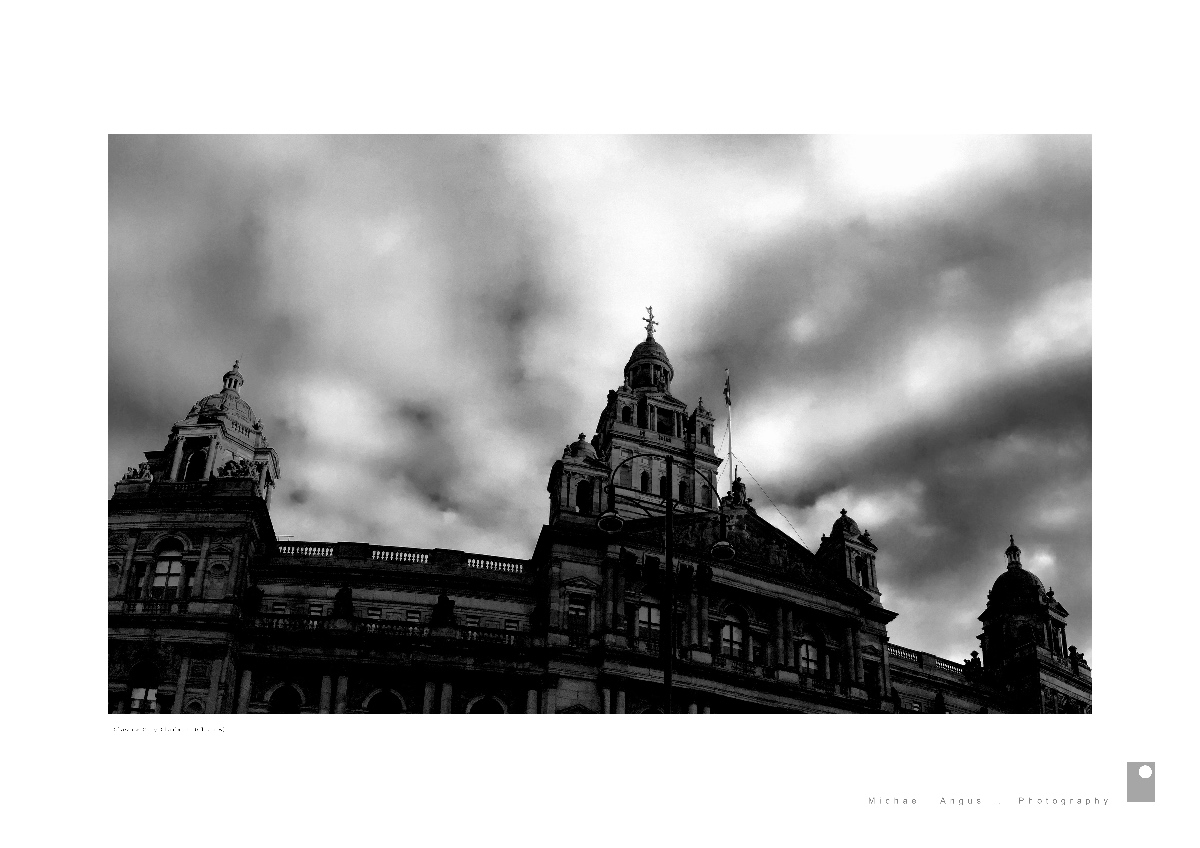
423, 323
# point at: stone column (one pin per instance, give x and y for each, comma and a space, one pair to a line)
618, 619
430, 690
556, 613
777, 628
339, 699
212, 457
243, 702
789, 640
201, 566
848, 656
127, 568
530, 701
857, 654
214, 686
887, 670
605, 699
180, 686
619, 707
326, 693
703, 624
604, 613
447, 704
176, 459
693, 618
874, 582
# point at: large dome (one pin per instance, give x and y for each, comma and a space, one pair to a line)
225, 402
1016, 587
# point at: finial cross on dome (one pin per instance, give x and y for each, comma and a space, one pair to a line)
650, 322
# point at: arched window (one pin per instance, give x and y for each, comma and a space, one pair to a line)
583, 497
625, 476
385, 701
705, 436
285, 699
645, 481
643, 413
487, 705
863, 572
684, 494
168, 574
626, 415
197, 461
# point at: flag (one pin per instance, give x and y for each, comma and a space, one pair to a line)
728, 402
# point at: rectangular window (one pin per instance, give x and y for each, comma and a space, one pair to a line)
731, 640
316, 610
413, 616
471, 620
375, 613
511, 624
806, 657
577, 614
279, 607
649, 622
168, 573
666, 422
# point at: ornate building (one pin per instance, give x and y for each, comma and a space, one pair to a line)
209, 612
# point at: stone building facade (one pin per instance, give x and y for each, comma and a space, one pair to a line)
209, 612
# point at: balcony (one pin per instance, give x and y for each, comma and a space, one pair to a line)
385, 556
382, 628
738, 665
154, 606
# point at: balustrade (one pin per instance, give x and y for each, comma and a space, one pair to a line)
384, 627
400, 555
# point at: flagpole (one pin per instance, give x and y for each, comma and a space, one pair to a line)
729, 429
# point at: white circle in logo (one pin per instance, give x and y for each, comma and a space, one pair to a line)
1145, 771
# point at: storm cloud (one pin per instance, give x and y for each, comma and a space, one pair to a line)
423, 323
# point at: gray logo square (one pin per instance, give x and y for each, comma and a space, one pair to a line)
1140, 781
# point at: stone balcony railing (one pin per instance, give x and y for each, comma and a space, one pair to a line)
924, 661
218, 486
381, 627
156, 606
440, 558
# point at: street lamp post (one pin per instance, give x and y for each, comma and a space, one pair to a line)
611, 522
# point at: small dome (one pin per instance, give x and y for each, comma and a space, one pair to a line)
846, 525
649, 350
583, 448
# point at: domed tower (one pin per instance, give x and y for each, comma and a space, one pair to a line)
849, 551
1024, 641
643, 419
187, 529
219, 437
